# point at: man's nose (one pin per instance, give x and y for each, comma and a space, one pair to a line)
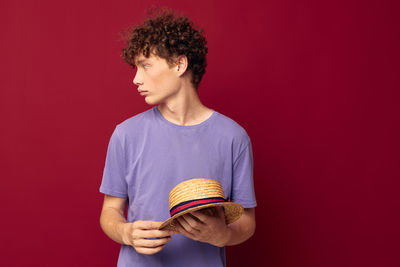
137, 80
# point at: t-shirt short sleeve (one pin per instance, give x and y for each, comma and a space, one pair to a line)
243, 184
114, 182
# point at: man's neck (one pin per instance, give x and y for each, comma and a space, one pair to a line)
185, 109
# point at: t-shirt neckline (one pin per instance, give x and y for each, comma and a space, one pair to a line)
203, 123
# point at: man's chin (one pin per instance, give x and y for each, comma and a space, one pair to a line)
150, 101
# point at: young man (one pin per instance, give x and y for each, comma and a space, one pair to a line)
176, 140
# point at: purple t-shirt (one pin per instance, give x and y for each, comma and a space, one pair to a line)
148, 155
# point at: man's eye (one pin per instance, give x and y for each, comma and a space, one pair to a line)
146, 65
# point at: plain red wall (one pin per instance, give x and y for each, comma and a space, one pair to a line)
314, 83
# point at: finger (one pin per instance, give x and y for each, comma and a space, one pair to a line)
194, 218
192, 221
212, 213
220, 212
151, 243
184, 223
186, 230
182, 230
147, 225
154, 234
149, 251
201, 216
208, 211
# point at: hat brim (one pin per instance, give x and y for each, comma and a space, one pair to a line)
232, 210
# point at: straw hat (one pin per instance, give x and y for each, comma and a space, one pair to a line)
197, 194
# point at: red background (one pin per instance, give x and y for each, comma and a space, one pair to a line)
314, 83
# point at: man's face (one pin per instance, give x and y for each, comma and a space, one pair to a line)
156, 81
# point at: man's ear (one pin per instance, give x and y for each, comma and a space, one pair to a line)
181, 64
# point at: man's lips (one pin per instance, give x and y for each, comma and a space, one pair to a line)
143, 93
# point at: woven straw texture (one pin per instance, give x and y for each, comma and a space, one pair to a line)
200, 188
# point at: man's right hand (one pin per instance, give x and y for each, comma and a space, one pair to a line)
145, 237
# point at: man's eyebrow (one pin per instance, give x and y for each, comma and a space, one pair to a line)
140, 61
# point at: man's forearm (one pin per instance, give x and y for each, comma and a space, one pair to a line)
242, 229
112, 222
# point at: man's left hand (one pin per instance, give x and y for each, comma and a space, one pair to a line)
204, 228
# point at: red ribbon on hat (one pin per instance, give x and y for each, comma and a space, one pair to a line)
194, 203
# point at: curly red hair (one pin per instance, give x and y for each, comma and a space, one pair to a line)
168, 36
